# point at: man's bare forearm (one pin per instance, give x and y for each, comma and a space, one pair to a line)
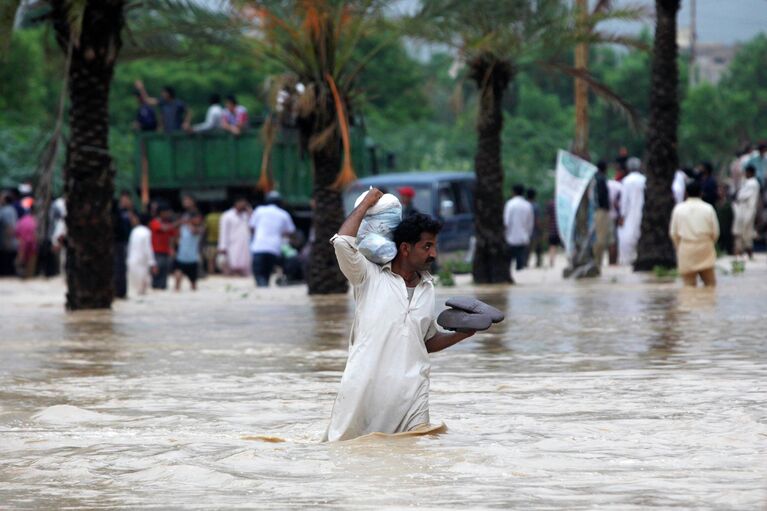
441, 340
352, 223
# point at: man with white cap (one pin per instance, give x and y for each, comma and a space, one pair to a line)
631, 204
270, 224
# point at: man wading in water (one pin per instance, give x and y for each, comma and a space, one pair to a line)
385, 386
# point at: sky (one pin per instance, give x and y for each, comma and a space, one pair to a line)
718, 21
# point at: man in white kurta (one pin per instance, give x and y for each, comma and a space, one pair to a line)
385, 385
694, 230
632, 202
234, 238
744, 212
140, 259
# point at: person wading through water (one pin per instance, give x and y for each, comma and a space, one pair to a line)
385, 386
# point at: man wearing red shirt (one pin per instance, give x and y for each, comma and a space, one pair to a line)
164, 234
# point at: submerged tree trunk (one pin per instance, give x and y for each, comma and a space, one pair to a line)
88, 170
655, 247
325, 277
491, 264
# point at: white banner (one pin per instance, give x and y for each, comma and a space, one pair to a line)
573, 177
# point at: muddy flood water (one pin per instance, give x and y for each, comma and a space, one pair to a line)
613, 394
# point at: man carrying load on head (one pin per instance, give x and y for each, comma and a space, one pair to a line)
385, 386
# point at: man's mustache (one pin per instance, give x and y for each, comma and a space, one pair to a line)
430, 260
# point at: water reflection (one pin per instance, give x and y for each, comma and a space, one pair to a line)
572, 403
89, 346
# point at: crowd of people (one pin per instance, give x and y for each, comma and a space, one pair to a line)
150, 248
169, 114
734, 198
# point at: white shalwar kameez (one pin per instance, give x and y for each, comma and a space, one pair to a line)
385, 386
234, 238
632, 202
744, 212
140, 258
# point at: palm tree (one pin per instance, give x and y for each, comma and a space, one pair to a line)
496, 40
318, 42
90, 34
655, 248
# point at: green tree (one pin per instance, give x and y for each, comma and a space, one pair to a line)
319, 42
496, 40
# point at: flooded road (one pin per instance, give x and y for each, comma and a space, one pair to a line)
617, 394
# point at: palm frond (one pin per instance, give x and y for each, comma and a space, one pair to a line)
8, 11
75, 16
600, 89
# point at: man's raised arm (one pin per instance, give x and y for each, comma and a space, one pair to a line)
351, 262
352, 223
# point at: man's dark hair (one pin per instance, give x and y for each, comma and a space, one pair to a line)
170, 91
410, 229
762, 147
602, 166
708, 169
531, 193
214, 99
230, 97
693, 189
144, 219
750, 169
518, 189
125, 193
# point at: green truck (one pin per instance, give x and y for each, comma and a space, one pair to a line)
215, 167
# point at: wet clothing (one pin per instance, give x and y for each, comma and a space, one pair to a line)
163, 234
632, 202
744, 209
188, 245
270, 225
140, 258
188, 269
385, 386
519, 220
234, 238
678, 186
694, 230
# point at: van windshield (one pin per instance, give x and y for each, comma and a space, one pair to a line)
421, 202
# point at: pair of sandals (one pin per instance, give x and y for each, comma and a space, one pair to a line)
468, 315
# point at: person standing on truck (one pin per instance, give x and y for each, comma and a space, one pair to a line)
385, 385
174, 115
234, 238
270, 224
235, 118
212, 116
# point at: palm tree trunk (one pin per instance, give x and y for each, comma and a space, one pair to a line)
88, 170
491, 264
325, 277
655, 248
581, 142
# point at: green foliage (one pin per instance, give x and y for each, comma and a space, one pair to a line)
663, 272
445, 278
412, 108
457, 266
